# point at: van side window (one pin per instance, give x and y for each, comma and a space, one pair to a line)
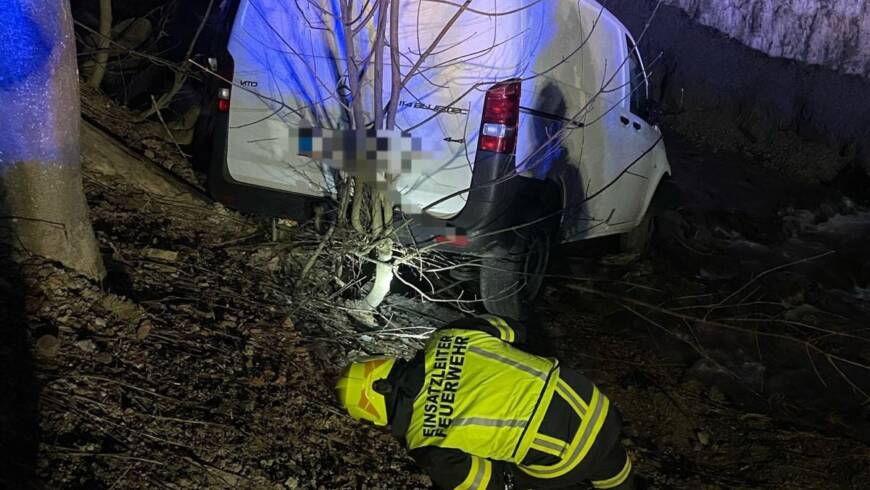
638, 99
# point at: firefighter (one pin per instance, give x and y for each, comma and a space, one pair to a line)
476, 412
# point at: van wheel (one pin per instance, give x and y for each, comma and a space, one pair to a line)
201, 146
510, 280
639, 240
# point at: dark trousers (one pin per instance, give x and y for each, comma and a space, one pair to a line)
609, 467
606, 464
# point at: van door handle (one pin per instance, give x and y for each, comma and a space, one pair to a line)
636, 126
624, 120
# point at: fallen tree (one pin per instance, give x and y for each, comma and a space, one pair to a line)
104, 154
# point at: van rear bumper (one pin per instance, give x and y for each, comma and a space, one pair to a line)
498, 203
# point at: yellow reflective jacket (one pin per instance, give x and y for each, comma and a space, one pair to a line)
480, 395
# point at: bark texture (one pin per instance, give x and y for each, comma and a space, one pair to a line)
106, 156
832, 33
42, 204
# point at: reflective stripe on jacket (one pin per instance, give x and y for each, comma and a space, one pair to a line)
571, 453
480, 395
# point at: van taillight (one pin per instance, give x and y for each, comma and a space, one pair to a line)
224, 99
501, 113
225, 68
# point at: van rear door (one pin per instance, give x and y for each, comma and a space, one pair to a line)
290, 72
267, 46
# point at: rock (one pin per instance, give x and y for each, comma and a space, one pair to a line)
143, 331
103, 358
282, 229
832, 33
86, 345
48, 346
738, 379
158, 254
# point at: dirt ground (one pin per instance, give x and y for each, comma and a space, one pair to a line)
202, 362
707, 346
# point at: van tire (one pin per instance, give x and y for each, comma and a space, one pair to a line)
639, 240
201, 146
511, 279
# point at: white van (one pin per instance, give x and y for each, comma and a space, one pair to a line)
528, 111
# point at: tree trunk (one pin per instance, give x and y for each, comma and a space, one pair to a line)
42, 203
102, 57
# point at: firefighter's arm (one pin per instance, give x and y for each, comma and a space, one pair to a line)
507, 329
452, 469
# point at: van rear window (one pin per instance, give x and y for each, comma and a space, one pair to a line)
638, 85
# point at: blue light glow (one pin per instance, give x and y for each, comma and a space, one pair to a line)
38, 83
24, 48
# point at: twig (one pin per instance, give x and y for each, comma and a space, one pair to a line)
768, 272
73, 452
180, 77
166, 127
